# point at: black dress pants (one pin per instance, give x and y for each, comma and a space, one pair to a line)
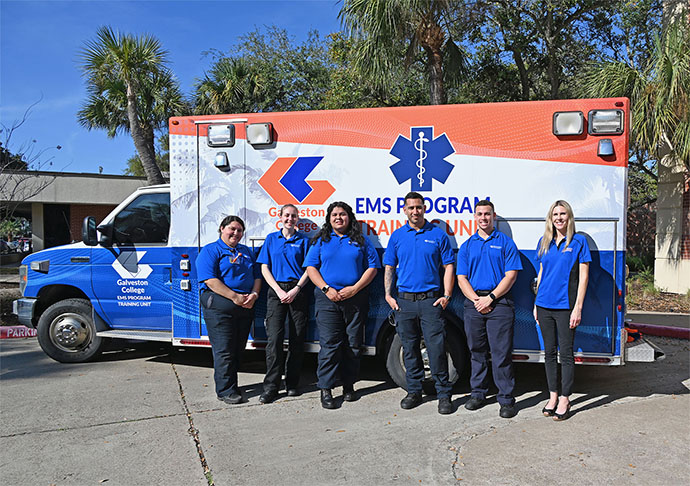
297, 315
555, 329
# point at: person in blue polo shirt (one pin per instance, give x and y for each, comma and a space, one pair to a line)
415, 253
341, 263
230, 284
564, 260
281, 258
488, 263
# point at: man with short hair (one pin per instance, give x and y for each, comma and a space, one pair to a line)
415, 252
488, 263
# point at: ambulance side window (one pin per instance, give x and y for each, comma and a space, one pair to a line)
146, 220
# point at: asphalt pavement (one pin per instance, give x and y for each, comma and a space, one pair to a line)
147, 414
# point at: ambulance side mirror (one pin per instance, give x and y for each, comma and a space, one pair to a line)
106, 234
88, 231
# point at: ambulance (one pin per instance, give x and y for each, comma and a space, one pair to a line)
133, 276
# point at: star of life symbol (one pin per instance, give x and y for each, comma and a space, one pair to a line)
127, 265
422, 158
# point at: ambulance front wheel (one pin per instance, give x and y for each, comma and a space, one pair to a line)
456, 351
66, 332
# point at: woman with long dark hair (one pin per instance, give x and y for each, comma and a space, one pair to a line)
230, 284
564, 258
341, 263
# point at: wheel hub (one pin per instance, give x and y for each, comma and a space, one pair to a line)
69, 332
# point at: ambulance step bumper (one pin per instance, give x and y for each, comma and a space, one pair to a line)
643, 351
165, 336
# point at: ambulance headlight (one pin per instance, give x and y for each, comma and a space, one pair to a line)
568, 123
605, 122
260, 133
221, 135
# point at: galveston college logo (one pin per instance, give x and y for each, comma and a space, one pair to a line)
422, 158
127, 265
285, 181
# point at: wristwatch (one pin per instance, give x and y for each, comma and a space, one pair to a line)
447, 297
493, 297
325, 289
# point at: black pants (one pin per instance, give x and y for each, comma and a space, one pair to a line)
228, 328
297, 314
341, 334
555, 324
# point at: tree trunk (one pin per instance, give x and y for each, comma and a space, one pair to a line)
552, 68
437, 95
524, 78
143, 142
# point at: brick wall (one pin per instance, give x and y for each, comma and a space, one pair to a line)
685, 238
78, 212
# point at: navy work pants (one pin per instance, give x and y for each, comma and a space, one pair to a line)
556, 322
297, 315
228, 329
414, 320
341, 334
491, 332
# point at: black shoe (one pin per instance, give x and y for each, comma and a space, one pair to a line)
412, 400
560, 417
475, 403
268, 396
507, 411
548, 412
233, 399
327, 399
349, 394
293, 392
445, 407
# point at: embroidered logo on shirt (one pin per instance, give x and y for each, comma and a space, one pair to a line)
568, 249
429, 241
495, 247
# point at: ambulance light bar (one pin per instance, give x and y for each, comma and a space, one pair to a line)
568, 123
605, 122
221, 135
260, 133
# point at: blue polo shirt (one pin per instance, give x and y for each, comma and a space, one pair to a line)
235, 267
284, 257
418, 256
342, 261
560, 272
485, 262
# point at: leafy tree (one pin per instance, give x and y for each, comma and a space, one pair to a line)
380, 26
266, 72
130, 89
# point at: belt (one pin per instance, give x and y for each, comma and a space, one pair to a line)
483, 293
415, 296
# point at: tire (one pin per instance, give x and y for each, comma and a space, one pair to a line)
66, 332
456, 350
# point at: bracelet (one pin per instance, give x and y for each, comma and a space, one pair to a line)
298, 286
253, 292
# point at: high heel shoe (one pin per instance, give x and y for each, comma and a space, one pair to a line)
548, 412
559, 417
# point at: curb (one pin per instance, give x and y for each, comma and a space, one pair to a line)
665, 331
12, 332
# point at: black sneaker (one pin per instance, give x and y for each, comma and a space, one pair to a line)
233, 399
268, 396
445, 407
507, 411
293, 392
475, 403
412, 400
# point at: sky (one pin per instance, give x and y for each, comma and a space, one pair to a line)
39, 61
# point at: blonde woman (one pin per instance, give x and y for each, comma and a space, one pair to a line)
564, 260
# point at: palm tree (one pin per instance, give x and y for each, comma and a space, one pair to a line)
378, 25
659, 94
230, 86
130, 89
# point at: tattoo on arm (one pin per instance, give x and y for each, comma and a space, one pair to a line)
388, 279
